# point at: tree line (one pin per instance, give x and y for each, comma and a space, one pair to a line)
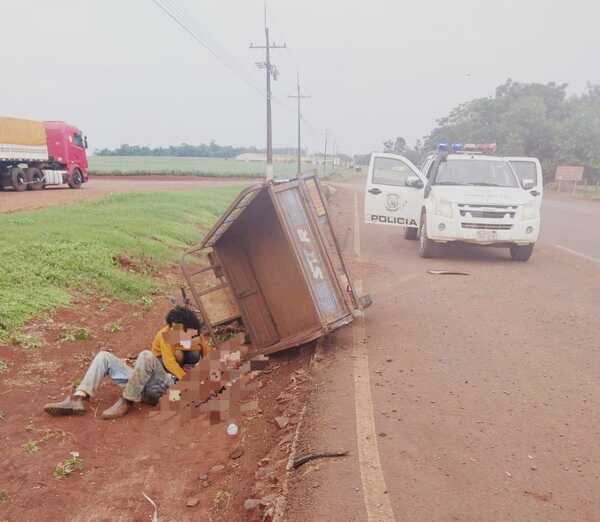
210, 150
524, 119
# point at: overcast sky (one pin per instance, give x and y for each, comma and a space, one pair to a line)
126, 73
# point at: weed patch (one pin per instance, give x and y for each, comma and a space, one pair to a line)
3, 367
69, 465
28, 342
31, 447
74, 333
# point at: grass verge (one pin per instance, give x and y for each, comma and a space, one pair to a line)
49, 254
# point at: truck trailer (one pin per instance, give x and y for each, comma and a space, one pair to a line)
34, 155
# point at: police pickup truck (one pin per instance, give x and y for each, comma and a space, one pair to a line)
462, 193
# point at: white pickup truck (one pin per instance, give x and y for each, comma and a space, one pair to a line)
460, 194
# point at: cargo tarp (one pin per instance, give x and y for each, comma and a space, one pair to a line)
14, 131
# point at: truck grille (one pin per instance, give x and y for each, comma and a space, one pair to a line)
487, 211
487, 226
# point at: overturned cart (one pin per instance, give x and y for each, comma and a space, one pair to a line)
272, 262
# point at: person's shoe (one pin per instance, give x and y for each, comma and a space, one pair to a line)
70, 406
118, 409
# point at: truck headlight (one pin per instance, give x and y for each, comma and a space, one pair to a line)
528, 211
443, 208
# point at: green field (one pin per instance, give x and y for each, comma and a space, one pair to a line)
50, 254
212, 167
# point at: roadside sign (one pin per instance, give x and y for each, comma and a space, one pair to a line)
569, 173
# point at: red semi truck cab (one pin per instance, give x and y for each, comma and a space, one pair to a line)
67, 147
35, 155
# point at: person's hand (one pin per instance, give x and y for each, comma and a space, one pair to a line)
179, 356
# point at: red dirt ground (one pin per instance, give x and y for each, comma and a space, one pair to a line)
136, 454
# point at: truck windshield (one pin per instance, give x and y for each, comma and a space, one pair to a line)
484, 173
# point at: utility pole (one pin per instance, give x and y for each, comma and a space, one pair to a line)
300, 97
325, 156
271, 72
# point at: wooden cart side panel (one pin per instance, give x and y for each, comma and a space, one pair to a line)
315, 195
303, 233
276, 268
251, 302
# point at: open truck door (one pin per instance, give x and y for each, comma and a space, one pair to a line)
394, 192
529, 172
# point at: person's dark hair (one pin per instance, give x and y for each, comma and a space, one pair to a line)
184, 316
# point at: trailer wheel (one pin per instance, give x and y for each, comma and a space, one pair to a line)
35, 178
76, 179
17, 179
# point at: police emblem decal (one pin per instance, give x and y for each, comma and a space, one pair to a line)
392, 202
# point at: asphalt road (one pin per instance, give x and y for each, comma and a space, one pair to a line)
572, 224
460, 398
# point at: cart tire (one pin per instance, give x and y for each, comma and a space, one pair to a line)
410, 233
521, 252
426, 245
35, 178
76, 179
18, 179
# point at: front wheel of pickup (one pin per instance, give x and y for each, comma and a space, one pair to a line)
426, 246
521, 252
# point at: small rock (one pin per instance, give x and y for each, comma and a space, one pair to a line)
192, 502
206, 484
282, 422
264, 462
236, 453
251, 504
204, 476
382, 434
217, 468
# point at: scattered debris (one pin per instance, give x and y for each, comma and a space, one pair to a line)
155, 513
299, 461
236, 453
192, 502
204, 476
217, 468
508, 474
251, 503
543, 497
282, 422
448, 272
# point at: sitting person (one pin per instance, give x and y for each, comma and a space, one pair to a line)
154, 370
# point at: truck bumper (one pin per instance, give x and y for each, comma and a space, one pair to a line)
483, 232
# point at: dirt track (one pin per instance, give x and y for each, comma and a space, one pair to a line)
101, 186
483, 389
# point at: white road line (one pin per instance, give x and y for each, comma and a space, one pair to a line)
578, 254
377, 501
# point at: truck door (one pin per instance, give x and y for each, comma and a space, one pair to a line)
529, 172
394, 191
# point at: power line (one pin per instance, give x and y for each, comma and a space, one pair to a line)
171, 12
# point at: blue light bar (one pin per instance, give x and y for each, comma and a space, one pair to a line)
443, 147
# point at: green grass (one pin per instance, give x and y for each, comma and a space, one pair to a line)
176, 166
50, 254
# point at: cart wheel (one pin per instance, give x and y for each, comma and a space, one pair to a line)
17, 179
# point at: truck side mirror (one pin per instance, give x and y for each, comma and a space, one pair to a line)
414, 182
528, 183
85, 145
